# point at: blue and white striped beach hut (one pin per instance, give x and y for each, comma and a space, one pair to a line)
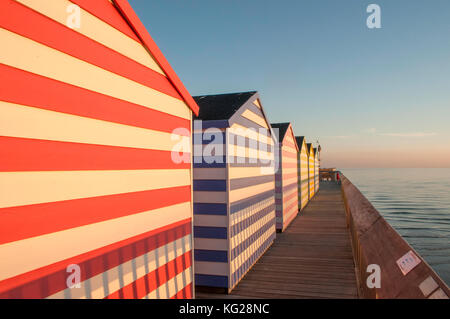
234, 185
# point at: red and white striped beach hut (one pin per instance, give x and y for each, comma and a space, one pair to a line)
286, 178
303, 172
90, 193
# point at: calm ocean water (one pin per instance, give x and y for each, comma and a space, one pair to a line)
416, 202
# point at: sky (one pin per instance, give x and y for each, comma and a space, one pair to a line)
371, 97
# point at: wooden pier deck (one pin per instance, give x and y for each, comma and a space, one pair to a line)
311, 259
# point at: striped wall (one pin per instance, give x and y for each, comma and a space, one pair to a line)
234, 204
303, 167
86, 173
210, 187
252, 185
316, 170
311, 172
286, 179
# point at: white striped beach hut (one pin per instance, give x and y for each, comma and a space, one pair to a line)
316, 170
90, 194
311, 170
234, 202
286, 178
303, 171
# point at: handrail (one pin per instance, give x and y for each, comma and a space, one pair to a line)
374, 241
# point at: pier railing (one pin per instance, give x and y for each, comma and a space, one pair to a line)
377, 246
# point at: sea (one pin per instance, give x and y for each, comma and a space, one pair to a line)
416, 202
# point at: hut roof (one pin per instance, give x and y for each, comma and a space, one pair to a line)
316, 150
300, 140
309, 147
282, 129
221, 106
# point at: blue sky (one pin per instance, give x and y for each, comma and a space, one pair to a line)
373, 97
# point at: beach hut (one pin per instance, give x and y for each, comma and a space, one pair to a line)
316, 170
303, 171
287, 176
93, 203
234, 184
311, 170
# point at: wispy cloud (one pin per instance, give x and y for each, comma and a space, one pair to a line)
374, 132
370, 130
339, 136
414, 134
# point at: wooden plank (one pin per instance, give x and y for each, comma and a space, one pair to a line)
311, 259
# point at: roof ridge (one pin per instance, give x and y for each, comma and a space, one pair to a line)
138, 27
220, 94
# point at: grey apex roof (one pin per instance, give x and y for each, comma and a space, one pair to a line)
282, 129
221, 106
300, 140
